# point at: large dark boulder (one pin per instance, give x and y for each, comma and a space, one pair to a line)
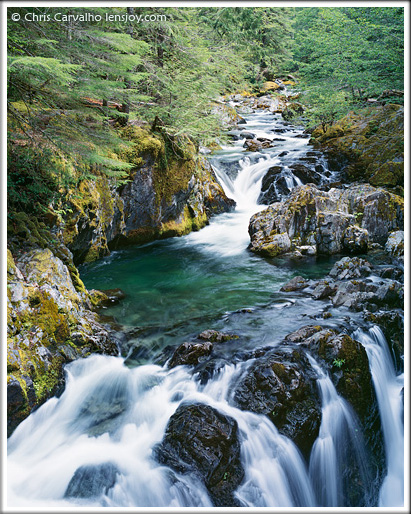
282, 385
200, 440
305, 174
347, 362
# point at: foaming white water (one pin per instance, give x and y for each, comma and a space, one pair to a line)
388, 387
228, 233
131, 408
46, 449
339, 433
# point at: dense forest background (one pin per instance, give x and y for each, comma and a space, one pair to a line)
75, 87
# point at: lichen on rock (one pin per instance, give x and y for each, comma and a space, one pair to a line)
334, 221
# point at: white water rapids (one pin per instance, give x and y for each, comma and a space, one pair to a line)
110, 413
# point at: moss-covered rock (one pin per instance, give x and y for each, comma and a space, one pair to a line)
368, 146
334, 221
169, 192
49, 324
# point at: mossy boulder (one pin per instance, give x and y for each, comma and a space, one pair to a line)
49, 324
334, 221
170, 191
369, 146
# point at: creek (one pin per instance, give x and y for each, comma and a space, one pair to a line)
114, 410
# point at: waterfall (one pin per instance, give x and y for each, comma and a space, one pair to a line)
388, 387
338, 442
109, 413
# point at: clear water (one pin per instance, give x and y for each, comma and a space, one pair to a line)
178, 287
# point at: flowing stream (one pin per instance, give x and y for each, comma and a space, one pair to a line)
114, 410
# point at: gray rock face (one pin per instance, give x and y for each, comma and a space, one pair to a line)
92, 481
201, 440
395, 243
334, 221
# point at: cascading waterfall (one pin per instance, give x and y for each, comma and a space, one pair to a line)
339, 441
55, 441
388, 387
110, 416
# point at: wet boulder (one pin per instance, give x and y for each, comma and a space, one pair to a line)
282, 385
202, 441
305, 174
247, 135
269, 193
190, 354
295, 284
347, 362
91, 481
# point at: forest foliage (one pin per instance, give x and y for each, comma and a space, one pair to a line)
72, 85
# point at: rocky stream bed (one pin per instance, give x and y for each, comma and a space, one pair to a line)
255, 362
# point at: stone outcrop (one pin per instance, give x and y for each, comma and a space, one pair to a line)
335, 221
165, 194
50, 323
203, 441
367, 147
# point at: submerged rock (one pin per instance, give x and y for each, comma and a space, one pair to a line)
91, 481
203, 441
216, 337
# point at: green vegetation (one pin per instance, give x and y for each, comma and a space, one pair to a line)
338, 363
73, 85
347, 55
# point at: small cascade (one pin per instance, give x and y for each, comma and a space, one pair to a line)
275, 472
338, 445
388, 388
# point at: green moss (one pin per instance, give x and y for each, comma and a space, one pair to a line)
182, 226
97, 297
45, 314
173, 178
143, 142
389, 174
